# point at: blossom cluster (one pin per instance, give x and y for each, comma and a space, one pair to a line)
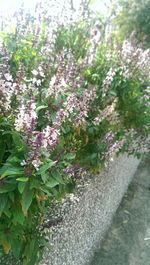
26, 117
76, 107
108, 80
38, 76
6, 92
45, 140
113, 145
57, 82
135, 58
68, 76
108, 113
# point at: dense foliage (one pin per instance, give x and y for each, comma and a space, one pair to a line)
68, 104
134, 20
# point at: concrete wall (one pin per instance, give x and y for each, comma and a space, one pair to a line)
87, 214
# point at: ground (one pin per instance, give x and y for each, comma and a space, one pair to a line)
127, 242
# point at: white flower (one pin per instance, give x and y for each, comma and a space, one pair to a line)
26, 117
36, 163
35, 72
8, 77
53, 80
23, 163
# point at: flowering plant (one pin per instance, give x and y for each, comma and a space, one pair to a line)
68, 104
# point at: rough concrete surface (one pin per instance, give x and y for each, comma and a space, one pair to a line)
127, 242
89, 216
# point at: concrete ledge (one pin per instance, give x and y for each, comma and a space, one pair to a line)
127, 241
89, 214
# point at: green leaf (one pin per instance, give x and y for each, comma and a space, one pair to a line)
13, 160
16, 247
31, 251
2, 149
41, 107
52, 183
46, 166
56, 175
45, 177
63, 129
12, 196
70, 156
8, 213
18, 216
16, 138
22, 179
93, 156
21, 186
1, 252
3, 202
27, 197
47, 192
7, 187
35, 184
6, 246
10, 170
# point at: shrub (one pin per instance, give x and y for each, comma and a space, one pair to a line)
133, 20
68, 105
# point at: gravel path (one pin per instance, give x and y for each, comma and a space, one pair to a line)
128, 240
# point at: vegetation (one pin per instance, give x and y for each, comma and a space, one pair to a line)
134, 20
68, 104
